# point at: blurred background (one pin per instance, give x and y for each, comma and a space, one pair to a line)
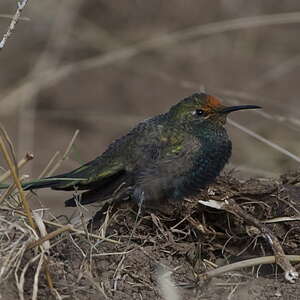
102, 66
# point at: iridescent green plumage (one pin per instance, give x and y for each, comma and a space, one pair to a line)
169, 156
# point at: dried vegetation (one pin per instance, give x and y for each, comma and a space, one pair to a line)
125, 256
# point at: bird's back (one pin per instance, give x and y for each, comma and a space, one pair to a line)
121, 157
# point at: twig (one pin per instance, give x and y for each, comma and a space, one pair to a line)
281, 259
281, 219
81, 232
22, 162
112, 253
245, 264
49, 236
10, 145
47, 273
13, 23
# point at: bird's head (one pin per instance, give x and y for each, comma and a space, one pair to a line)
200, 108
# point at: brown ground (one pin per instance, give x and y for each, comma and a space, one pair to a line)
185, 242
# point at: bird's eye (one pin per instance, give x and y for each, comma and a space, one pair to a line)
199, 112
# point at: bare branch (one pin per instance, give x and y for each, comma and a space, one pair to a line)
13, 23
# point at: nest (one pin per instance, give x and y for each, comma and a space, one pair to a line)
173, 251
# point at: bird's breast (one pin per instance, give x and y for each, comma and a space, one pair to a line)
207, 164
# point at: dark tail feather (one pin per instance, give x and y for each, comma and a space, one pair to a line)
43, 183
36, 184
49, 182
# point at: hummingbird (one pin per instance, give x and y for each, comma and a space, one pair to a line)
170, 156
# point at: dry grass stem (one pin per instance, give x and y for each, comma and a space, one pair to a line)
12, 202
111, 254
46, 171
80, 232
24, 201
7, 192
281, 259
21, 163
17, 182
14, 251
281, 219
42, 228
49, 236
264, 140
246, 264
47, 273
66, 154
36, 278
21, 280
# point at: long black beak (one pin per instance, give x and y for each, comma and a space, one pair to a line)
230, 109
